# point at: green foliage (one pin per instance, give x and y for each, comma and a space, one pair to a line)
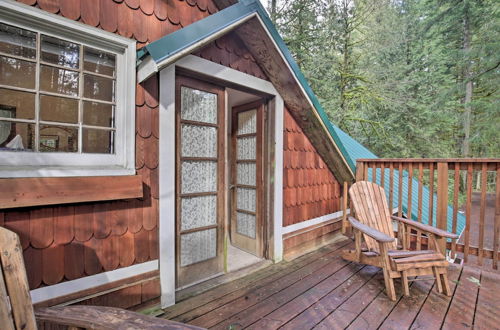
393, 73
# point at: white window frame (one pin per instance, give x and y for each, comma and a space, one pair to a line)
39, 164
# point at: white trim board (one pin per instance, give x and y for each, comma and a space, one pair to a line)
313, 222
88, 282
167, 159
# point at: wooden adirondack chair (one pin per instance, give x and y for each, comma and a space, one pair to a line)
16, 309
374, 226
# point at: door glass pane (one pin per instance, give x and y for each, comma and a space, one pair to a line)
58, 80
198, 246
198, 212
246, 199
246, 173
246, 148
198, 105
17, 41
60, 52
247, 122
198, 141
58, 139
245, 224
198, 176
60, 109
17, 73
15, 104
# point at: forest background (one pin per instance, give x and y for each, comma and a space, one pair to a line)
406, 78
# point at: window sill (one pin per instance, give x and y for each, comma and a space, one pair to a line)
23, 192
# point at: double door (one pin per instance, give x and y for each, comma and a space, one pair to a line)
212, 199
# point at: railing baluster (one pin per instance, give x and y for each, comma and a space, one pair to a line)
400, 190
420, 189
391, 186
456, 191
410, 191
382, 175
468, 205
431, 195
442, 200
484, 182
365, 171
496, 231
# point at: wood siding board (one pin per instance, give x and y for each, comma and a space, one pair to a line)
151, 152
135, 216
155, 122
108, 15
64, 226
91, 260
147, 6
83, 222
172, 13
74, 251
109, 253
89, 11
124, 24
134, 4
52, 6
126, 249
141, 247
153, 244
139, 26
119, 221
41, 227
19, 222
143, 121
70, 9
151, 86
160, 9
139, 151
33, 262
53, 264
101, 221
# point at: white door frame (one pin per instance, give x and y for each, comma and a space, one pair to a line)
167, 161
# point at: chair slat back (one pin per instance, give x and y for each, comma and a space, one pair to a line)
370, 206
18, 314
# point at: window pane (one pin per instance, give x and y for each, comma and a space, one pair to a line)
98, 61
60, 52
198, 246
19, 136
17, 41
60, 109
245, 199
58, 139
246, 173
198, 141
198, 177
198, 212
18, 73
97, 141
198, 105
58, 80
98, 88
97, 114
15, 104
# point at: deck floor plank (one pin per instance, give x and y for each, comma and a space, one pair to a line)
488, 303
297, 305
320, 290
434, 310
461, 312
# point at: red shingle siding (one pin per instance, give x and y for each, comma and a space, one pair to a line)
309, 188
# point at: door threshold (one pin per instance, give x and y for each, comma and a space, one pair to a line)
199, 288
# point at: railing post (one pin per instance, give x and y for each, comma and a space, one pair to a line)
345, 223
360, 170
442, 200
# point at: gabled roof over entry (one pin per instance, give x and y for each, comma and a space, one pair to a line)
251, 23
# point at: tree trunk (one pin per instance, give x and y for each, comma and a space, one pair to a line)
468, 84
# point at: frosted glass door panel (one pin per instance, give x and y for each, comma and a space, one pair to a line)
246, 148
245, 174
198, 212
199, 141
198, 246
198, 177
245, 224
247, 122
246, 199
198, 105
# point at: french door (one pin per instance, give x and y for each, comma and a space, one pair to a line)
247, 178
199, 180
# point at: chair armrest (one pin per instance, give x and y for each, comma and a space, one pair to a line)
426, 228
373, 233
104, 318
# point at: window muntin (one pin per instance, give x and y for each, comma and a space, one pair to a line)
55, 95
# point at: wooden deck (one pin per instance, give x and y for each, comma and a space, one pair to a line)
322, 291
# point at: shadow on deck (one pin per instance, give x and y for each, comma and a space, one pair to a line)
320, 290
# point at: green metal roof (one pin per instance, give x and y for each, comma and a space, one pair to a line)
182, 39
356, 150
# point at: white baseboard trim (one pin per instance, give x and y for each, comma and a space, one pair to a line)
313, 222
88, 282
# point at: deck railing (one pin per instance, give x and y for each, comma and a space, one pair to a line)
458, 195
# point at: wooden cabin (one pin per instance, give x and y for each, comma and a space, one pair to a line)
147, 146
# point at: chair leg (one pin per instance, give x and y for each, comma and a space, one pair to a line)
389, 285
439, 283
446, 283
404, 279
